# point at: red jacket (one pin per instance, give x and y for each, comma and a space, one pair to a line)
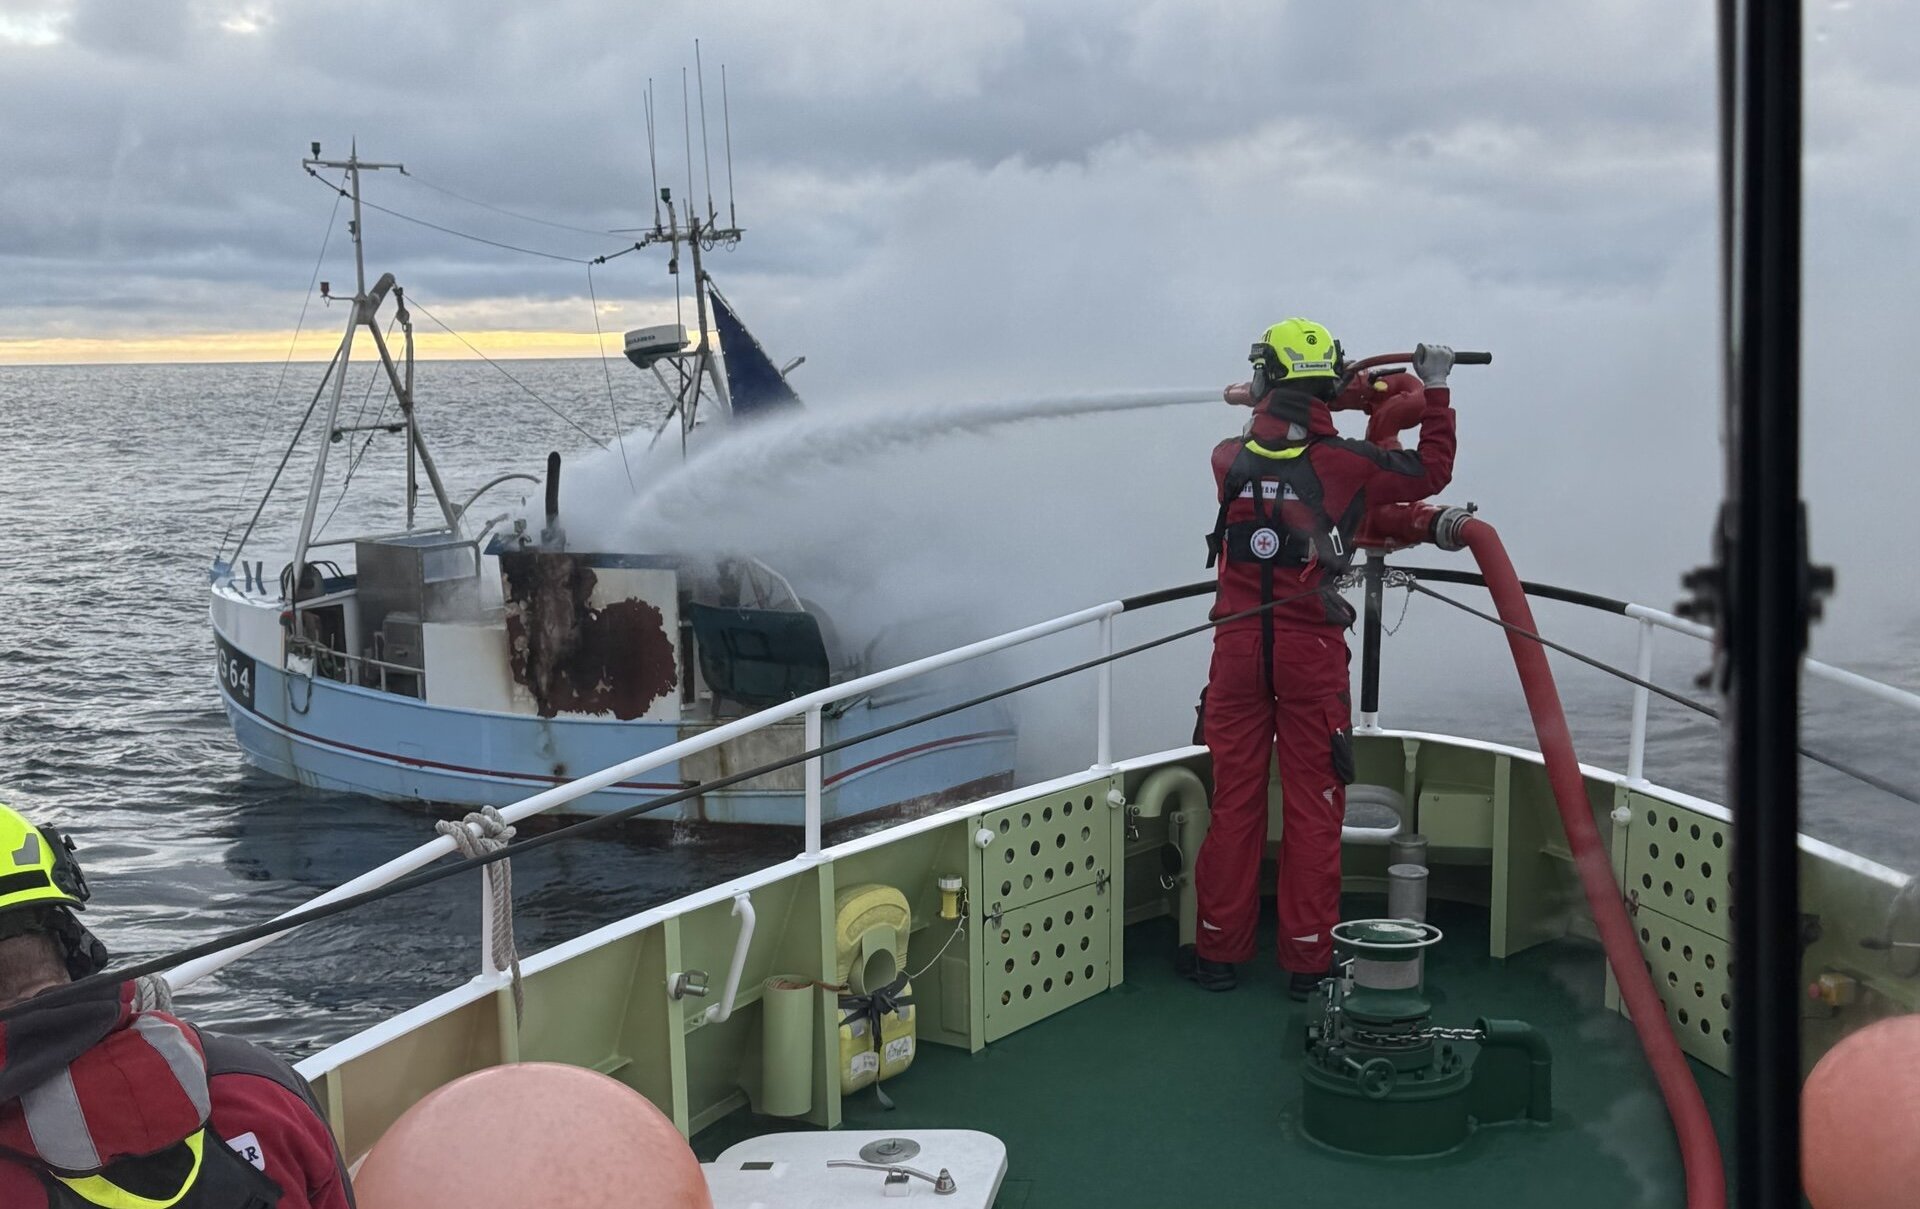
1353, 475
138, 1079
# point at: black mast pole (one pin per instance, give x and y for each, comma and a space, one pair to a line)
1761, 592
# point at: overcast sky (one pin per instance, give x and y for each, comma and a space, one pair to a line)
981, 198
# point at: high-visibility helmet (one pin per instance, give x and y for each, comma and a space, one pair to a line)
1296, 348
40, 887
37, 868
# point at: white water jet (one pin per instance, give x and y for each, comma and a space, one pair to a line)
667, 513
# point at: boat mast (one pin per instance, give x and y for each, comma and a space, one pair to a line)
707, 362
366, 305
361, 312
699, 236
406, 406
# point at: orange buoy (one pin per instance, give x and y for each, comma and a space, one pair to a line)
531, 1135
1860, 1120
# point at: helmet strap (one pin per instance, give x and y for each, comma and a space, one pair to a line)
84, 953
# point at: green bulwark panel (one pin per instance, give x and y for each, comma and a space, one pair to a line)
1676, 873
1045, 957
1047, 909
1045, 846
1689, 970
1456, 819
1677, 863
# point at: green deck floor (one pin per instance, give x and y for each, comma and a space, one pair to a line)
1160, 1094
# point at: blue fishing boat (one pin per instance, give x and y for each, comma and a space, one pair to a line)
461, 663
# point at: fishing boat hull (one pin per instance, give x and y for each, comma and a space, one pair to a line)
330, 735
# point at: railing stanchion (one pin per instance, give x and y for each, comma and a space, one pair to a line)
1103, 739
815, 782
1637, 739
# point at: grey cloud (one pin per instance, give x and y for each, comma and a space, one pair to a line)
998, 199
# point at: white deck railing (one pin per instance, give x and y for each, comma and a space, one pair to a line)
812, 705
1649, 620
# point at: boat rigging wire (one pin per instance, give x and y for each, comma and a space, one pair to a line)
421, 222
288, 455
474, 201
82, 988
366, 444
600, 341
240, 497
414, 299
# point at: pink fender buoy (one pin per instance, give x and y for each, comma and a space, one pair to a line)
532, 1135
1860, 1120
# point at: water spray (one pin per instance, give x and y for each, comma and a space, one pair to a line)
774, 450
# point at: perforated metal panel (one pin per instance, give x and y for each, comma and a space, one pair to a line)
1046, 956
1689, 970
1046, 846
1676, 873
1677, 864
1047, 902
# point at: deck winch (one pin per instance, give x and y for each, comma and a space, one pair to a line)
1382, 1079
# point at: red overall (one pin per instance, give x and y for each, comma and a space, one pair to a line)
1303, 711
127, 1088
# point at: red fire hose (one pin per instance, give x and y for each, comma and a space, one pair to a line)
1699, 1148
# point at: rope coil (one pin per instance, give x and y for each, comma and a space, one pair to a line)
479, 833
152, 993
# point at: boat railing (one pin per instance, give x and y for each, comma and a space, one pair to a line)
814, 707
1647, 620
327, 661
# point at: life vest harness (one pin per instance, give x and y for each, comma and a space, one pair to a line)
214, 1177
78, 1171
1270, 478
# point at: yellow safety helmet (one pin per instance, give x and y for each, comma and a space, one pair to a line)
40, 887
1293, 349
37, 868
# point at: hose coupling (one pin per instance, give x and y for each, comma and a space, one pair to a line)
1447, 527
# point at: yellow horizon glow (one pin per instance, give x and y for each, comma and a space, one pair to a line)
218, 347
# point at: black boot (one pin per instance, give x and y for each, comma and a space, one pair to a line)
1211, 975
1300, 986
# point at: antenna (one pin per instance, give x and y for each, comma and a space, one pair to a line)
726, 124
706, 150
653, 162
686, 122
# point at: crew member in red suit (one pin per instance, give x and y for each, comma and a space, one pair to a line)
1292, 492
106, 1104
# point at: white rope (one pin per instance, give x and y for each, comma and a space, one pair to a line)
494, 832
152, 993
